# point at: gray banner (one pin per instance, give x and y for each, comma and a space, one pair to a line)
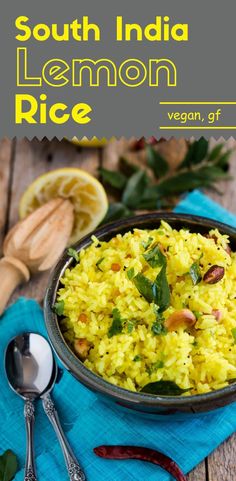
202, 103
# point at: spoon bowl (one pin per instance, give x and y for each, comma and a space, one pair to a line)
29, 365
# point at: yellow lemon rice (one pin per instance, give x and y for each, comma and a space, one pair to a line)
198, 358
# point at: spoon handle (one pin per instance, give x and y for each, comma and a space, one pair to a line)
74, 470
30, 472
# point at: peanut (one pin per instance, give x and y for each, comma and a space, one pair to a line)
81, 347
214, 274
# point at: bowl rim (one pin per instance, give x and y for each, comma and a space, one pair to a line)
69, 359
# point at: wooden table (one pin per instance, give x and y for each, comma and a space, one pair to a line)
20, 162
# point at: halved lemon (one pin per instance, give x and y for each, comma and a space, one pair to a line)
84, 191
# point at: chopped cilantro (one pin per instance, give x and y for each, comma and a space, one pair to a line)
154, 367
58, 308
158, 326
117, 323
137, 358
131, 323
73, 253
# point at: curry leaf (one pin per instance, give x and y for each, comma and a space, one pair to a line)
161, 290
223, 161
117, 323
144, 286
156, 162
157, 291
151, 203
134, 189
153, 197
195, 273
147, 243
154, 257
163, 388
213, 173
196, 153
58, 308
116, 211
73, 253
8, 465
215, 152
127, 168
180, 183
114, 178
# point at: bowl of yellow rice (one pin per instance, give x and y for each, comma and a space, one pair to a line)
143, 311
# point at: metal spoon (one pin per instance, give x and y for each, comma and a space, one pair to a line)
32, 373
29, 363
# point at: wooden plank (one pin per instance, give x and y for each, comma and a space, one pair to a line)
112, 151
221, 463
5, 164
32, 159
198, 474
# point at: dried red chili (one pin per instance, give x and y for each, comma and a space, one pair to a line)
143, 454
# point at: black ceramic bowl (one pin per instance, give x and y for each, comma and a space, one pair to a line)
160, 405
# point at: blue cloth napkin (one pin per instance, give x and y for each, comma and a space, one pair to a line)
88, 422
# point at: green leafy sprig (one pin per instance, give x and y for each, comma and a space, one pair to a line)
201, 168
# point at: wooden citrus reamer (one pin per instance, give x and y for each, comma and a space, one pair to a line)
34, 245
